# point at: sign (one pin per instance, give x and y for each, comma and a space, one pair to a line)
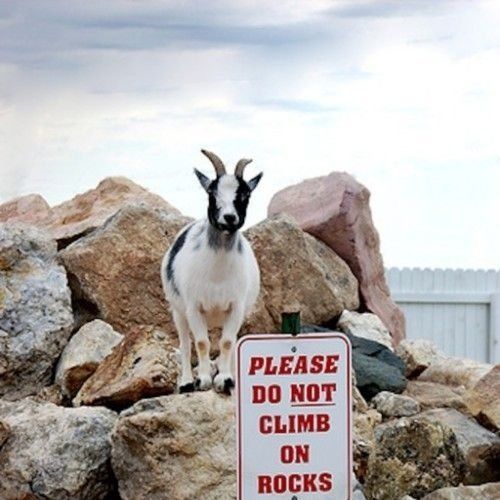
294, 417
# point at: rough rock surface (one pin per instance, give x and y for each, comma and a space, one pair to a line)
483, 399
335, 209
30, 209
54, 452
365, 325
489, 491
394, 405
91, 209
363, 438
297, 269
418, 355
455, 372
145, 364
117, 267
432, 395
178, 447
35, 310
85, 350
413, 455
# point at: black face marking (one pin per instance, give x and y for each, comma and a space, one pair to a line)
177, 245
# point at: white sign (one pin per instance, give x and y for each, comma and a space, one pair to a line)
294, 416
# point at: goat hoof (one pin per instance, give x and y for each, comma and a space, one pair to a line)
203, 383
189, 387
223, 383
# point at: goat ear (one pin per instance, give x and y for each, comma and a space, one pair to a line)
204, 180
252, 183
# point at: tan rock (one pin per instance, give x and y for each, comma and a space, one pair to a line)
418, 355
365, 325
85, 350
117, 267
483, 399
91, 209
145, 364
490, 491
4, 432
336, 210
364, 440
455, 372
180, 447
52, 394
394, 405
433, 395
297, 269
30, 209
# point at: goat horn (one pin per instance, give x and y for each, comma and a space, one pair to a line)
240, 166
220, 169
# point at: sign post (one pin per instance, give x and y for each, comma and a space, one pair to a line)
294, 417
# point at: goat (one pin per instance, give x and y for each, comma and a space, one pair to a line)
211, 277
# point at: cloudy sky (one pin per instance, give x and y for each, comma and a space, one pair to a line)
405, 95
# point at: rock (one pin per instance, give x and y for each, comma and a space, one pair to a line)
393, 405
90, 210
52, 394
365, 325
81, 357
479, 447
297, 269
117, 267
363, 440
488, 491
432, 395
4, 432
54, 452
178, 447
483, 399
417, 355
35, 310
455, 372
358, 401
335, 209
414, 456
145, 364
30, 209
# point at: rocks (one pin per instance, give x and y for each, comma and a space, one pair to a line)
483, 399
336, 210
393, 405
432, 395
363, 440
178, 447
455, 372
417, 355
54, 452
145, 364
117, 267
479, 447
90, 210
35, 310
488, 491
297, 269
365, 325
30, 209
414, 456
86, 349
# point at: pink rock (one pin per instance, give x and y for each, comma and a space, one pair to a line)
31, 209
336, 210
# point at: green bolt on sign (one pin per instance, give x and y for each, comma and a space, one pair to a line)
294, 417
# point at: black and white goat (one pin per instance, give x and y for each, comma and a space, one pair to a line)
211, 277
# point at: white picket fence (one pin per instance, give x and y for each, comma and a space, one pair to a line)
459, 310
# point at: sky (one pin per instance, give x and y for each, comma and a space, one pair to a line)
403, 95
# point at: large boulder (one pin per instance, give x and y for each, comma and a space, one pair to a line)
336, 210
487, 491
30, 209
35, 310
418, 355
145, 364
85, 350
91, 209
54, 452
365, 325
483, 399
433, 395
117, 267
300, 271
178, 447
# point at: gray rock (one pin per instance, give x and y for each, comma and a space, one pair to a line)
35, 310
81, 357
54, 452
365, 325
394, 405
490, 491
